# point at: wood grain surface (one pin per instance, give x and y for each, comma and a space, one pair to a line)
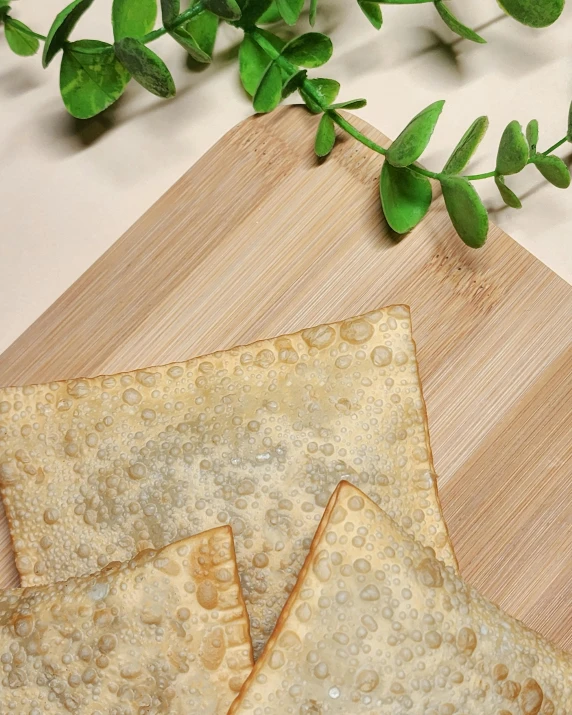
260, 238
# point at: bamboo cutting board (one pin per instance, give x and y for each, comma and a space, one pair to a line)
260, 238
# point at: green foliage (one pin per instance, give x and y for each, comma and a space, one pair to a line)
553, 169
405, 197
170, 10
455, 25
290, 10
91, 77
270, 16
350, 104
203, 28
413, 140
466, 210
310, 50
269, 92
468, 145
313, 12
253, 61
319, 93
507, 195
225, 9
146, 68
62, 27
535, 13
569, 131
293, 83
182, 35
133, 18
19, 38
252, 11
372, 11
513, 150
532, 136
325, 137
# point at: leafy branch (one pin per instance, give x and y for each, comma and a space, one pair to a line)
94, 74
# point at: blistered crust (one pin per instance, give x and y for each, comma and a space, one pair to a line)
93, 470
376, 624
166, 632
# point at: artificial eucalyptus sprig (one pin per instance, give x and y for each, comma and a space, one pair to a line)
94, 74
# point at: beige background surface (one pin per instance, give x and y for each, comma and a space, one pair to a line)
70, 189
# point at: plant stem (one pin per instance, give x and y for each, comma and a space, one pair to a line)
349, 128
185, 16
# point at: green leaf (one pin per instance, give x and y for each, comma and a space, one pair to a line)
146, 68
326, 89
269, 92
413, 140
404, 2
133, 18
290, 10
187, 41
170, 10
455, 25
507, 195
293, 83
226, 9
405, 197
62, 27
468, 145
90, 81
251, 11
253, 61
313, 12
350, 104
569, 132
513, 150
20, 41
269, 16
466, 210
325, 137
203, 28
553, 169
532, 135
535, 13
372, 11
310, 50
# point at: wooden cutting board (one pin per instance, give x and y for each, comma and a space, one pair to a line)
260, 238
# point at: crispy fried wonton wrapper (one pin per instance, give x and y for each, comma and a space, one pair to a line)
257, 437
164, 633
376, 624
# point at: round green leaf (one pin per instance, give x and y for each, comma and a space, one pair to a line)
253, 61
413, 140
405, 197
252, 11
203, 28
513, 153
310, 50
269, 16
553, 169
532, 135
19, 38
455, 25
466, 210
372, 11
170, 10
468, 145
326, 90
226, 9
133, 18
182, 35
350, 104
269, 92
507, 195
535, 13
325, 137
145, 66
62, 27
91, 81
293, 83
290, 10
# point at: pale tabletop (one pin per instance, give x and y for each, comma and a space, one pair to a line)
69, 190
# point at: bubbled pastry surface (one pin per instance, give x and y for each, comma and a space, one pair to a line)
257, 437
377, 625
164, 633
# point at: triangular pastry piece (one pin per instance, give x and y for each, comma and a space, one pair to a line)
164, 633
258, 437
377, 625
